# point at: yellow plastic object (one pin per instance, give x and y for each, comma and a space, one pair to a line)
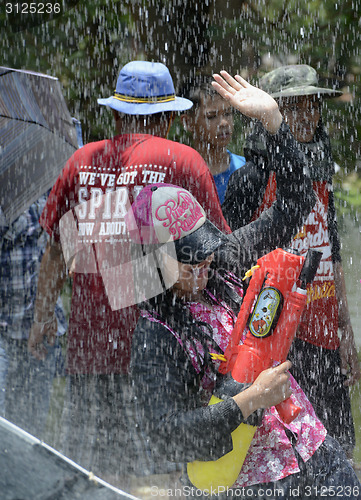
218, 357
225, 470
250, 272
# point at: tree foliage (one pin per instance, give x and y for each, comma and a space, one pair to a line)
87, 44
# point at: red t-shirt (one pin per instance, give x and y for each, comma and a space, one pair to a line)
99, 337
319, 322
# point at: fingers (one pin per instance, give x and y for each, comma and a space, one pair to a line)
284, 367
287, 389
273, 385
51, 338
221, 91
39, 353
350, 381
345, 356
37, 335
284, 378
242, 81
36, 350
350, 366
226, 84
230, 83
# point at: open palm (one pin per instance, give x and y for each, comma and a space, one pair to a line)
249, 100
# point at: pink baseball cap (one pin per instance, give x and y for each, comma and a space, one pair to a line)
168, 214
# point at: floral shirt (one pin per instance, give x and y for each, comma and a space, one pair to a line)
271, 456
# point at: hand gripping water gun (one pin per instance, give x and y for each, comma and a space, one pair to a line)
269, 317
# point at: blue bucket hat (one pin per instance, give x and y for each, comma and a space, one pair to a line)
145, 88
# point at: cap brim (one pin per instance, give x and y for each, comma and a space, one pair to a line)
297, 91
197, 246
130, 108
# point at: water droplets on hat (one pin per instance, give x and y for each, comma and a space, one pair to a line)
168, 214
294, 80
145, 88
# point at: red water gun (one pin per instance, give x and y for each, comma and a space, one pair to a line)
269, 317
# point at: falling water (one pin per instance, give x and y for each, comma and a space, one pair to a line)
86, 42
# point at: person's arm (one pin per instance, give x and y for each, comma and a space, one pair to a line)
246, 188
333, 227
349, 359
295, 196
52, 274
166, 386
244, 194
277, 225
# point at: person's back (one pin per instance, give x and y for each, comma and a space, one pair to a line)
86, 208
123, 166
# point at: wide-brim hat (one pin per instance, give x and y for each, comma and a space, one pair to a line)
169, 217
145, 88
295, 80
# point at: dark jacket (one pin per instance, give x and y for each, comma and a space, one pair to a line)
250, 182
172, 407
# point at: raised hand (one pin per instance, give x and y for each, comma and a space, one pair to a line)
249, 100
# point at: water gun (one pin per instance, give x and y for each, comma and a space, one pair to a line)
267, 323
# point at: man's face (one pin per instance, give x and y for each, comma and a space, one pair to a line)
302, 115
212, 122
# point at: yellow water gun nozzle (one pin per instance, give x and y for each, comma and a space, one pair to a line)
250, 272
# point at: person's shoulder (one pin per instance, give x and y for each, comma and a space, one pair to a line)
177, 148
240, 173
90, 146
154, 333
236, 161
146, 325
180, 158
94, 151
89, 150
237, 157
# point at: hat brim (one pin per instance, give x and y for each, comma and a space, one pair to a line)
310, 90
130, 108
197, 246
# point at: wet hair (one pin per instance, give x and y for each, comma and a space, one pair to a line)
197, 87
170, 309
